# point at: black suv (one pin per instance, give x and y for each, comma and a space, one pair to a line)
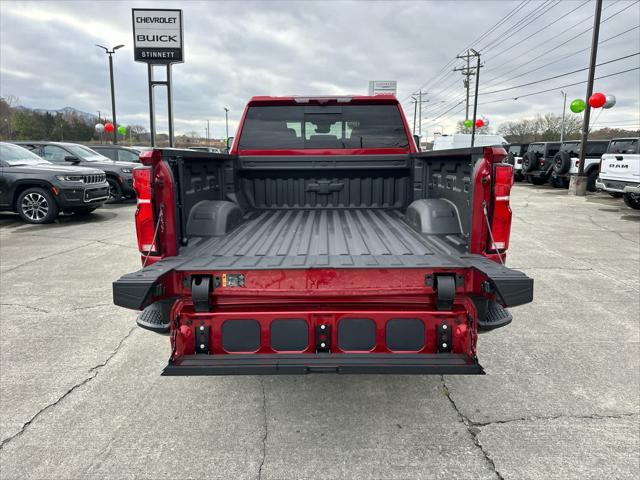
120, 152
537, 163
565, 163
119, 174
38, 190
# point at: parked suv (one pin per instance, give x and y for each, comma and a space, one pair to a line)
38, 190
120, 153
566, 161
118, 173
537, 163
514, 156
620, 170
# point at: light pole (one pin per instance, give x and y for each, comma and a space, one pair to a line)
226, 122
113, 97
564, 108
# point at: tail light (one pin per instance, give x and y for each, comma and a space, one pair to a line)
145, 221
501, 218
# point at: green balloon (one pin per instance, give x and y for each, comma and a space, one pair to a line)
122, 130
577, 105
468, 123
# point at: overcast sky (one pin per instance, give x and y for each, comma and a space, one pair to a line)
234, 50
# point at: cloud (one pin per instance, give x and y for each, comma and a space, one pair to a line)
234, 50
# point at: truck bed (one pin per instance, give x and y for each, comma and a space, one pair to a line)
331, 238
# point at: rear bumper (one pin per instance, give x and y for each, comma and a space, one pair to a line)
285, 364
617, 186
539, 173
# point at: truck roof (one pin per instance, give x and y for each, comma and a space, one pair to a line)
320, 100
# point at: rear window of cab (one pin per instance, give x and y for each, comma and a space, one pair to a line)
629, 145
323, 127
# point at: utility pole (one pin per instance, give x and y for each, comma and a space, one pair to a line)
476, 54
564, 108
113, 97
578, 184
208, 134
415, 112
420, 110
226, 122
467, 72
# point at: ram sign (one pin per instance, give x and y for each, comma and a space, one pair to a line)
157, 35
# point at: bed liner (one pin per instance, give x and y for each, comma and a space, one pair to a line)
326, 238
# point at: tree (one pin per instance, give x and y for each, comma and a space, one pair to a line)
541, 128
460, 128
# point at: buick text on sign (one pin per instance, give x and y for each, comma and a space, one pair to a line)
157, 35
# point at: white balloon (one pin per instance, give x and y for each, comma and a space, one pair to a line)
486, 121
99, 128
610, 101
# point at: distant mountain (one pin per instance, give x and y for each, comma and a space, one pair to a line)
66, 111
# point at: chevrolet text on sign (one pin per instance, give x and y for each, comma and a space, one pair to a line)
157, 35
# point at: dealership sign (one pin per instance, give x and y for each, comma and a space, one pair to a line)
157, 35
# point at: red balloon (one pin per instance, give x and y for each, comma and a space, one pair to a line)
108, 127
597, 100
479, 123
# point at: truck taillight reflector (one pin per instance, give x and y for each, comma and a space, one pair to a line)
145, 221
501, 218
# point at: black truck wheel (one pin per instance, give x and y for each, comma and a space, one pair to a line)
115, 190
561, 162
37, 205
632, 200
529, 162
536, 180
591, 179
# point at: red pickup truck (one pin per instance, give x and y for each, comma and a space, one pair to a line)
323, 242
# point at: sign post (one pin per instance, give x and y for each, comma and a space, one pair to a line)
158, 41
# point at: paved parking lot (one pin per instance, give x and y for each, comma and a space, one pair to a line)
82, 396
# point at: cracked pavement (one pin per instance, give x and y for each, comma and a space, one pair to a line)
81, 394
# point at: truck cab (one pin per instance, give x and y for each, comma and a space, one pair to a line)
323, 242
620, 170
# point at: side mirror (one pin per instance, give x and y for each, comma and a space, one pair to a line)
416, 138
229, 143
72, 159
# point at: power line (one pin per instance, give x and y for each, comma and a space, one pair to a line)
450, 62
530, 94
513, 27
565, 56
558, 87
500, 22
560, 75
525, 24
560, 17
554, 48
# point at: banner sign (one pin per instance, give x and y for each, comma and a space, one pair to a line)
157, 35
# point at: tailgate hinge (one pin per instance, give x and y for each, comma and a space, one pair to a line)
445, 287
201, 288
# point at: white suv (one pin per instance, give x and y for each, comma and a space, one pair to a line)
565, 162
620, 170
514, 156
